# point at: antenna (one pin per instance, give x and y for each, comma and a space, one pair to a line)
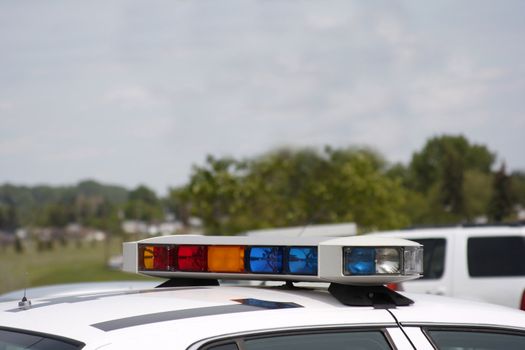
311, 220
24, 304
304, 229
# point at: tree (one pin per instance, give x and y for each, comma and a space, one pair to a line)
214, 192
428, 165
477, 189
443, 162
3, 218
32, 203
284, 188
501, 203
363, 193
295, 187
9, 218
518, 187
451, 182
144, 194
178, 202
58, 215
143, 205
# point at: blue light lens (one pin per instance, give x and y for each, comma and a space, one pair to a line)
302, 260
359, 261
266, 260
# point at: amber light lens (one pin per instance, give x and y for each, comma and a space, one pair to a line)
155, 257
226, 258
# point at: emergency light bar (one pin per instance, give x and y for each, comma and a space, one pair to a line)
358, 260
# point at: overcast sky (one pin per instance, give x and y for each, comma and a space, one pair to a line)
135, 92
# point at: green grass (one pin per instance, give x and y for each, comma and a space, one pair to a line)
63, 264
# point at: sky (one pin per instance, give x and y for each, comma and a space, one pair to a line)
137, 92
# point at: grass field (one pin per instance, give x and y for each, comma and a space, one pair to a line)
63, 264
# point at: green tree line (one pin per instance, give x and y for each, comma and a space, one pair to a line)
450, 180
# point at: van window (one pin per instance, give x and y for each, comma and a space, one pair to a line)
433, 257
496, 256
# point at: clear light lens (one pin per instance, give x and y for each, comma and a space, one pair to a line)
302, 260
359, 261
372, 261
413, 261
192, 258
266, 259
388, 261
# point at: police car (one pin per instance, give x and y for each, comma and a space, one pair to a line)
190, 310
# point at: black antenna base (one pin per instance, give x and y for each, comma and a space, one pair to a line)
24, 304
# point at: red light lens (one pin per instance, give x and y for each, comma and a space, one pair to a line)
192, 258
392, 286
522, 306
155, 257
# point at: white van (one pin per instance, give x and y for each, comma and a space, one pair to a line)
485, 263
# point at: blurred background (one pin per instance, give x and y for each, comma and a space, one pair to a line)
127, 119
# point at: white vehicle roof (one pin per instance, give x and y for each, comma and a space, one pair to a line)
70, 289
189, 309
485, 230
186, 315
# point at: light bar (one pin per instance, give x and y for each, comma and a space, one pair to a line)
349, 260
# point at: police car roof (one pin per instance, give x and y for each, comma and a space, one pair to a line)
70, 289
154, 317
180, 314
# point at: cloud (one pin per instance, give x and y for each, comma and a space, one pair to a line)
456, 95
131, 96
157, 128
14, 146
158, 87
6, 106
79, 154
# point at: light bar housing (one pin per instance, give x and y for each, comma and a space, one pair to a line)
356, 260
